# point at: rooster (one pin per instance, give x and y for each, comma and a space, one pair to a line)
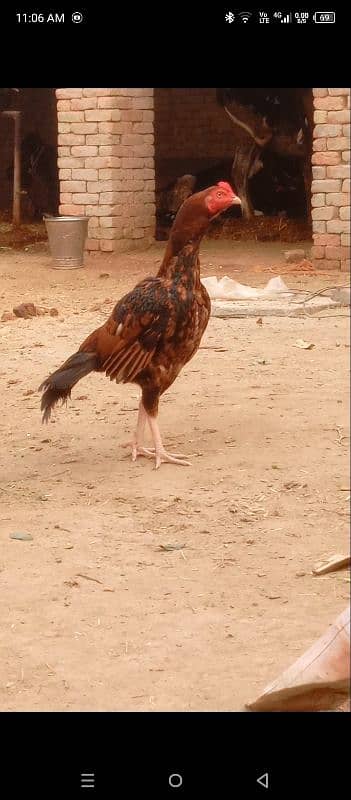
155, 329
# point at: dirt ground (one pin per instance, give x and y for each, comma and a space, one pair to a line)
95, 614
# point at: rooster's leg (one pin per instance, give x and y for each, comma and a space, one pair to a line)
162, 457
138, 437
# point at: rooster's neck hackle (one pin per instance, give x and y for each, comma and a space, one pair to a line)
187, 231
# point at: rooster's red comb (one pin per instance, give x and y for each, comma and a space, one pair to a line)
225, 185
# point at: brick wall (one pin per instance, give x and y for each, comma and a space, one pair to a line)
331, 179
106, 164
189, 123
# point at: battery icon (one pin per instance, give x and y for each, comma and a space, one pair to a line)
324, 16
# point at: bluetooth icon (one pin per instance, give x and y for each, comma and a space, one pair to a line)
229, 17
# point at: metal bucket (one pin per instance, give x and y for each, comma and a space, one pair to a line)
67, 237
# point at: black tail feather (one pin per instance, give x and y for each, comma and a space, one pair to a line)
58, 386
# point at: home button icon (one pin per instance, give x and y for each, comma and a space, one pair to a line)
175, 780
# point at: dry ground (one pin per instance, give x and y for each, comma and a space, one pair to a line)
94, 613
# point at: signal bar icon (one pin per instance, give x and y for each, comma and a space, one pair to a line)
287, 18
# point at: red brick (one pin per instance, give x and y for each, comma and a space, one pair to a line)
84, 151
320, 116
102, 162
108, 174
318, 200
65, 174
320, 92
346, 156
97, 139
345, 239
323, 213
84, 127
110, 150
125, 104
338, 116
63, 151
131, 185
326, 158
107, 127
143, 103
64, 105
85, 199
346, 130
327, 185
324, 239
108, 102
98, 211
102, 92
102, 186
99, 115
148, 116
319, 227
329, 103
143, 127
338, 199
326, 130
122, 127
70, 116
345, 266
108, 197
341, 253
341, 171
106, 246
319, 172
70, 138
345, 212
143, 150
133, 116
69, 162
107, 222
83, 103
67, 94
335, 92
65, 197
71, 210
132, 163
319, 145
73, 186
338, 226
63, 127
338, 143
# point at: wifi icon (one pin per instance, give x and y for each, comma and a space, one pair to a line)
245, 16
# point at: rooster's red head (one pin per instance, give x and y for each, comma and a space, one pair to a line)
220, 197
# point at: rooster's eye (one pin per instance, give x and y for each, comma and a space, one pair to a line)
219, 194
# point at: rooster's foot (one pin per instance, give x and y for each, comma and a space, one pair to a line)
162, 457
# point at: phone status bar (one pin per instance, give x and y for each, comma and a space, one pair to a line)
279, 17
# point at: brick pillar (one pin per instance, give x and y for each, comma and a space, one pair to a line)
331, 179
106, 164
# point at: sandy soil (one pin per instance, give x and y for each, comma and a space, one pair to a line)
95, 614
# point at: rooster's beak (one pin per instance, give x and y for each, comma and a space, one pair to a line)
236, 201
